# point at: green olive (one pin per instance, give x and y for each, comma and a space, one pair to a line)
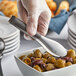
21, 57
37, 68
51, 60
74, 61
44, 60
49, 66
71, 53
37, 54
46, 55
59, 63
27, 60
68, 63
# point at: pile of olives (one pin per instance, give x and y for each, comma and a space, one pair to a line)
45, 62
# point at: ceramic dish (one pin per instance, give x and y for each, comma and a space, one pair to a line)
72, 42
72, 23
12, 41
11, 48
72, 38
29, 71
71, 33
71, 45
11, 38
12, 45
6, 29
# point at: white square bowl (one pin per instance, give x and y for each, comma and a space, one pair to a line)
29, 71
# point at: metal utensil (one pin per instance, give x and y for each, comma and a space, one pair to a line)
2, 47
50, 45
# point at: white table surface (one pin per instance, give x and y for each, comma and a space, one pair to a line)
8, 62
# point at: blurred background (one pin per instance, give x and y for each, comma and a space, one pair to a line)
8, 8
60, 10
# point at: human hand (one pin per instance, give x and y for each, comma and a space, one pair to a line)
36, 14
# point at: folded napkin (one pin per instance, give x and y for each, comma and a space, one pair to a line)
58, 22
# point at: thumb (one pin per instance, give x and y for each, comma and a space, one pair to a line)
32, 23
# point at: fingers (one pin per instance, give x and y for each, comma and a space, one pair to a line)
43, 23
32, 19
32, 23
23, 16
22, 12
27, 37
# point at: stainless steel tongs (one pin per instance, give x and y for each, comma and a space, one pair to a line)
51, 46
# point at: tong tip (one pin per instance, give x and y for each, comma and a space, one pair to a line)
11, 19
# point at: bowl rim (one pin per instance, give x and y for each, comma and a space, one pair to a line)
60, 69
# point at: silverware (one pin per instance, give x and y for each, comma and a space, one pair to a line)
2, 47
50, 45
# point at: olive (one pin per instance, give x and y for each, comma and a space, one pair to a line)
27, 61
32, 59
46, 55
68, 59
37, 68
59, 63
51, 60
44, 60
37, 62
75, 56
37, 58
37, 54
49, 66
22, 57
71, 53
42, 65
68, 63
74, 61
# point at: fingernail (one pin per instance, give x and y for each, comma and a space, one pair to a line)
31, 31
27, 37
